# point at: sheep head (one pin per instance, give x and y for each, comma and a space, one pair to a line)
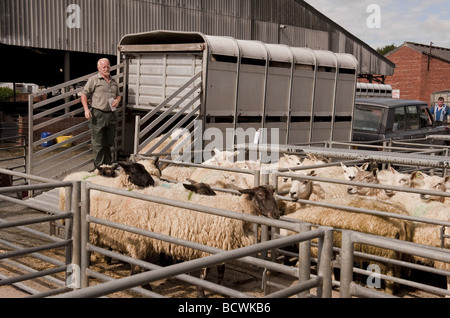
426, 182
137, 174
263, 200
199, 188
108, 171
301, 188
364, 177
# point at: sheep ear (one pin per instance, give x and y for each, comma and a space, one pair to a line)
190, 187
417, 175
365, 166
247, 191
392, 170
191, 181
125, 166
155, 161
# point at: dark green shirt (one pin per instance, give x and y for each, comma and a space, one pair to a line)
99, 91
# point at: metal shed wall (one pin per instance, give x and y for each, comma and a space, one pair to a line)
43, 24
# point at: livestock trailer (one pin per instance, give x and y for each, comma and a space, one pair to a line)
373, 90
303, 95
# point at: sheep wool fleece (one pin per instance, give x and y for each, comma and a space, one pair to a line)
203, 228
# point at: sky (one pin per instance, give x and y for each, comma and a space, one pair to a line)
384, 22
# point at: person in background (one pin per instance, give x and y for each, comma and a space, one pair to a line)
102, 91
440, 112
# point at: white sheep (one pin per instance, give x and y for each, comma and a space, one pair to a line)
178, 134
350, 172
132, 176
316, 190
419, 205
216, 231
220, 157
361, 222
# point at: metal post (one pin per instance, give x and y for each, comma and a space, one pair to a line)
325, 257
76, 225
304, 259
76, 199
84, 234
29, 168
347, 250
257, 176
69, 224
136, 134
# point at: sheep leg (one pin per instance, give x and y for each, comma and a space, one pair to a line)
390, 286
108, 259
448, 286
220, 273
135, 269
200, 290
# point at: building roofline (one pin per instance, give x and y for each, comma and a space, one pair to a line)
426, 50
341, 29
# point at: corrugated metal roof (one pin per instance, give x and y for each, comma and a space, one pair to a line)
50, 24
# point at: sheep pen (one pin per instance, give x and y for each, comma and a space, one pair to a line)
361, 222
207, 229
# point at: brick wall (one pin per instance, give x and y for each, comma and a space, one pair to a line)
412, 77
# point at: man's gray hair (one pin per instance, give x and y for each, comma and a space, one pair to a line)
103, 60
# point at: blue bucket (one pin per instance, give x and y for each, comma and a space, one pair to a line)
47, 143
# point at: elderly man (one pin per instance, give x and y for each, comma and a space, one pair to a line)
103, 93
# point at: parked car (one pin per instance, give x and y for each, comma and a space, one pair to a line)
396, 119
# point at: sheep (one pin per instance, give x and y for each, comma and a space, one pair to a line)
216, 231
222, 179
220, 157
177, 173
316, 190
350, 172
133, 176
419, 205
430, 235
361, 222
178, 133
181, 134
200, 188
152, 166
109, 171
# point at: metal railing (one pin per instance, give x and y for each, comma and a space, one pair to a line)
322, 281
80, 240
170, 119
348, 288
70, 242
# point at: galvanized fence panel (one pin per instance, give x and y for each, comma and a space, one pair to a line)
13, 249
348, 288
180, 110
323, 282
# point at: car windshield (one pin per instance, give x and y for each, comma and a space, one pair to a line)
368, 119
